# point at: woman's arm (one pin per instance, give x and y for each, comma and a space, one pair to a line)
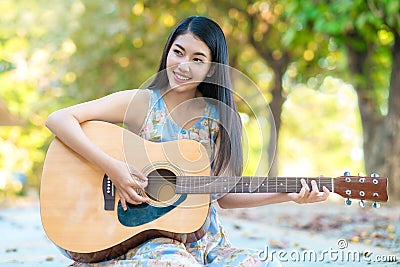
246, 200
65, 124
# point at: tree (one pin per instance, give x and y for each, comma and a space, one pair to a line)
283, 44
368, 32
388, 13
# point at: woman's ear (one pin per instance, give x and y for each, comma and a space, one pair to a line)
211, 71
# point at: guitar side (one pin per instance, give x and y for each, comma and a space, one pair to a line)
72, 200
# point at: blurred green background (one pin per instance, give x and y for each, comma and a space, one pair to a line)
328, 70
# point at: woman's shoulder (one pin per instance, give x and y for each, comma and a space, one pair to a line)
139, 93
135, 98
131, 95
137, 107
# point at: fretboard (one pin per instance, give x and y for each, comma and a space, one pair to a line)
246, 184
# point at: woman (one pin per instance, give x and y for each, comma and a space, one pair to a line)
190, 96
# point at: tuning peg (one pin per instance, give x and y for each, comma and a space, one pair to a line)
376, 205
361, 174
346, 173
347, 202
374, 175
362, 204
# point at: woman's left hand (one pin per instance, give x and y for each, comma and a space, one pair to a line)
307, 195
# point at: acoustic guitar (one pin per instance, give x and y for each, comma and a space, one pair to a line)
82, 215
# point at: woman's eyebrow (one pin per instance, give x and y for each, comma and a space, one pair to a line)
196, 53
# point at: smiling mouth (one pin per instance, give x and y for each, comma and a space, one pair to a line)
181, 78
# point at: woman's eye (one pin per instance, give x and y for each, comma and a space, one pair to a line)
179, 53
198, 60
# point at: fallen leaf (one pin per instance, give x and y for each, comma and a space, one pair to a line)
278, 244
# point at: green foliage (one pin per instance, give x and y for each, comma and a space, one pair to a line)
58, 53
321, 131
6, 66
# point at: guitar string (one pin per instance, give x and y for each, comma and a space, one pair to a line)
241, 178
271, 183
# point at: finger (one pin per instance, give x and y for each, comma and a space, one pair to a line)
301, 195
321, 197
132, 201
314, 186
140, 180
325, 189
123, 204
314, 191
326, 192
135, 198
306, 189
304, 184
138, 184
138, 174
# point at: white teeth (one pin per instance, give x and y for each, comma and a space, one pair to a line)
181, 77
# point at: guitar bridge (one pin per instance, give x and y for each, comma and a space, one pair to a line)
108, 193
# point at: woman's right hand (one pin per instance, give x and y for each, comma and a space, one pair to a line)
126, 181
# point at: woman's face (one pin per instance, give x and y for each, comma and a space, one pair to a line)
188, 62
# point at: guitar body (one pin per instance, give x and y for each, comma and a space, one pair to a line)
81, 214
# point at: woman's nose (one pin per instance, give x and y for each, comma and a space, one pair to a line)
184, 65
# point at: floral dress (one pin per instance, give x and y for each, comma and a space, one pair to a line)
213, 249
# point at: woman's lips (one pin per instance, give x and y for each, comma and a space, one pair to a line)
181, 78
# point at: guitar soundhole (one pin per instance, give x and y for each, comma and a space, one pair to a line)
161, 185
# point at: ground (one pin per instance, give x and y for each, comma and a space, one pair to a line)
323, 234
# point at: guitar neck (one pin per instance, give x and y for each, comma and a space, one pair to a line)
246, 184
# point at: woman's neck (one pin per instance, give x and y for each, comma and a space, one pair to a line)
184, 107
173, 97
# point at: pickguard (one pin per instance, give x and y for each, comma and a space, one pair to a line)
137, 215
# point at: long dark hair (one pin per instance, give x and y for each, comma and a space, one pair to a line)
229, 158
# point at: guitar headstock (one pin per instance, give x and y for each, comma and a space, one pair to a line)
362, 187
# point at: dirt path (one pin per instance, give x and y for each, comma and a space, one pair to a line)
327, 234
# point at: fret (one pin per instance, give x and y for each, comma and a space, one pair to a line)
192, 189
265, 185
233, 189
198, 183
252, 185
190, 186
224, 187
236, 182
286, 184
246, 184
279, 185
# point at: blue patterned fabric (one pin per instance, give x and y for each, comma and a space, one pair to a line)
213, 249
